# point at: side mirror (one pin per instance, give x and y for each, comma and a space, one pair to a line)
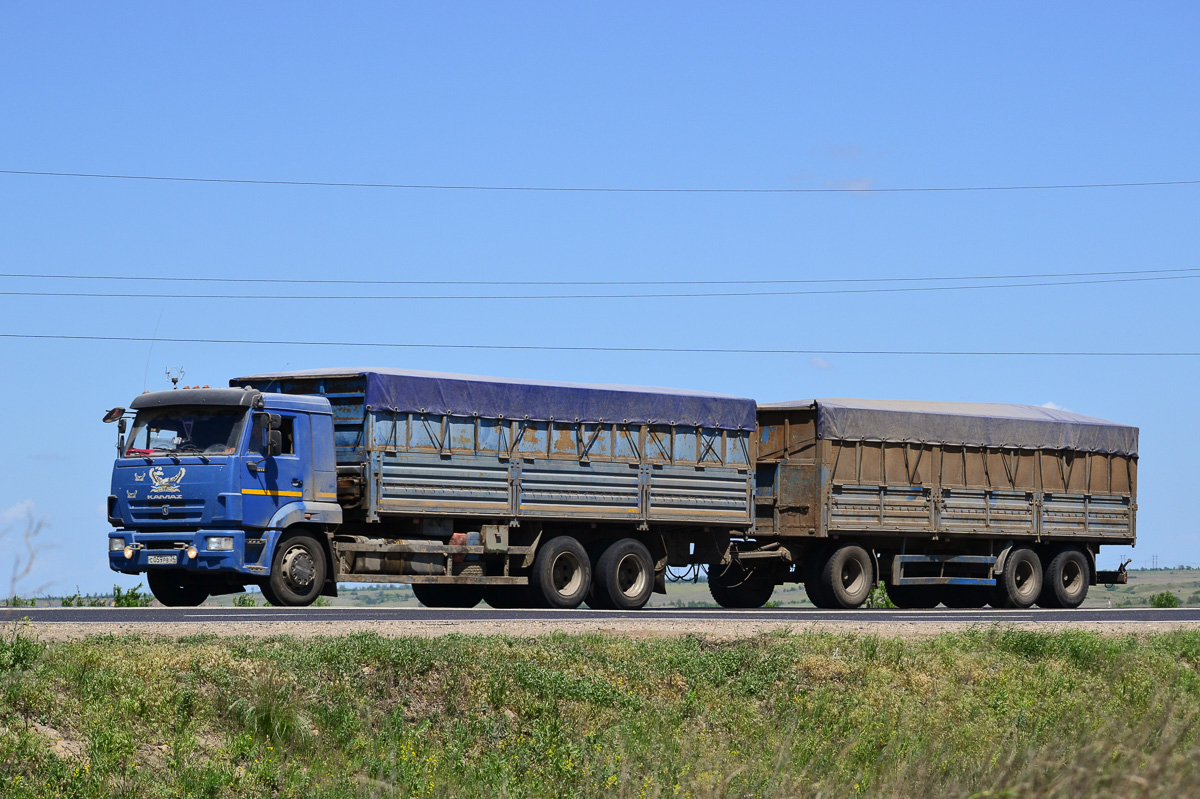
274, 443
113, 415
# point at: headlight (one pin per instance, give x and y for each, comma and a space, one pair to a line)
218, 543
116, 544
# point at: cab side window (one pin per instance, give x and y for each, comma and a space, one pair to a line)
287, 431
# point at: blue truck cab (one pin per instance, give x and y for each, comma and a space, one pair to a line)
216, 489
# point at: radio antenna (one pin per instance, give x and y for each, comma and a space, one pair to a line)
174, 373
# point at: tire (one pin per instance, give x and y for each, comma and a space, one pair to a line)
1021, 583
966, 597
175, 588
847, 576
736, 586
914, 597
298, 571
562, 572
1066, 580
434, 595
268, 594
624, 577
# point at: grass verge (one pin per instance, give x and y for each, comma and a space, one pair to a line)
988, 712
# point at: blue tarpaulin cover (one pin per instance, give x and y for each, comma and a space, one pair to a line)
981, 424
410, 391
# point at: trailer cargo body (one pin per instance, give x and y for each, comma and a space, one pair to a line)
941, 491
523, 493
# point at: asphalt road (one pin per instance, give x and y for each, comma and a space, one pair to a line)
694, 615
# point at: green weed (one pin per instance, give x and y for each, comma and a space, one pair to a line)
131, 598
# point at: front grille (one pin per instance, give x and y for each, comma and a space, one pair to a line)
166, 544
179, 510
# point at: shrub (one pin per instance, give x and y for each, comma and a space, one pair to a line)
879, 598
15, 601
245, 601
77, 600
17, 649
1164, 600
133, 598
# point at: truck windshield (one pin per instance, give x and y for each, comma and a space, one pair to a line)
207, 430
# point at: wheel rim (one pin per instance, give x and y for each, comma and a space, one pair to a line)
566, 574
631, 577
299, 568
1023, 579
853, 576
1072, 578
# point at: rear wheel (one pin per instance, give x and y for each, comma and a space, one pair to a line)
914, 597
434, 595
624, 577
1066, 580
562, 572
736, 586
1021, 583
297, 571
847, 576
175, 588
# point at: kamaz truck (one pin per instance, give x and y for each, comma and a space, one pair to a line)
534, 494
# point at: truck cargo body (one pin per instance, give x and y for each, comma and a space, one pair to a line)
427, 445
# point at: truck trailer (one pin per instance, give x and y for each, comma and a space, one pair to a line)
536, 494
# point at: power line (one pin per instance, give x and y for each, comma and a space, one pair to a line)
593, 189
789, 281
625, 296
550, 348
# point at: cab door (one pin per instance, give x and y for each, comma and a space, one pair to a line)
270, 482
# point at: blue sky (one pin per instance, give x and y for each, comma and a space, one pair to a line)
771, 95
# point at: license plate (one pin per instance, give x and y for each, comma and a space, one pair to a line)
162, 560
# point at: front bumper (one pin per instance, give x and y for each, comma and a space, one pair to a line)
169, 550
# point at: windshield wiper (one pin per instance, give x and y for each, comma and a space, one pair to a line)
198, 452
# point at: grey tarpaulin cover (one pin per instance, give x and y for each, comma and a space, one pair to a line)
977, 424
410, 391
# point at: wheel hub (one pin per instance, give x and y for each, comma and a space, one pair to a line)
631, 577
565, 574
298, 568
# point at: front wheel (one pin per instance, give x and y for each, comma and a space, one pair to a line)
297, 571
847, 576
176, 589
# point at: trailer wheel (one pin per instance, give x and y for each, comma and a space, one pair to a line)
1066, 580
847, 576
1021, 583
814, 562
297, 570
914, 597
176, 589
433, 595
562, 572
735, 586
624, 577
